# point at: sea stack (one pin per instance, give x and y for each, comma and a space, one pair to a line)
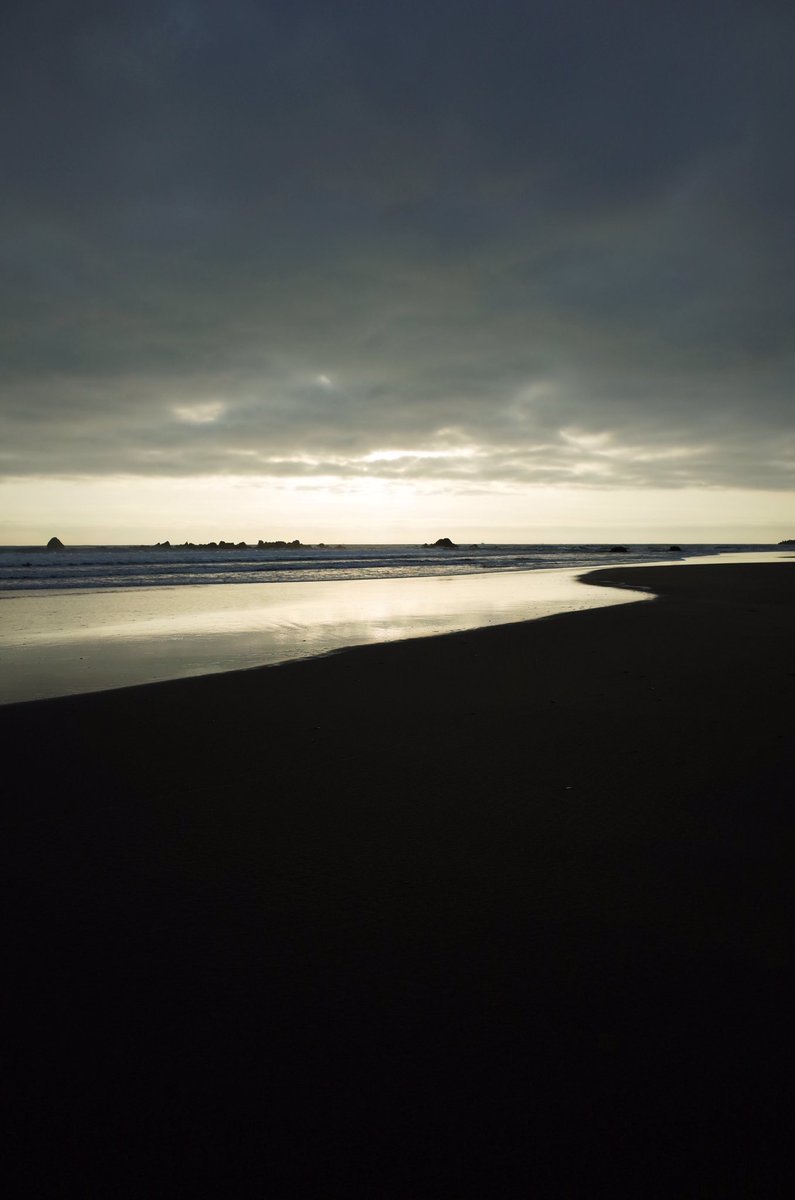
55, 544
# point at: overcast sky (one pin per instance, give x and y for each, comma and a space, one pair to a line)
452, 256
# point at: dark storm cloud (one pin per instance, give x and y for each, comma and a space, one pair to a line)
512, 242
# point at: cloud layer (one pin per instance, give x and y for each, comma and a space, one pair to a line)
537, 242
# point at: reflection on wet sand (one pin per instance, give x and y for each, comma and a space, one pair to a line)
65, 643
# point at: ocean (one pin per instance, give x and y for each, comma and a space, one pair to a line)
88, 618
32, 568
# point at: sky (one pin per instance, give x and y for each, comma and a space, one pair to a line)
371, 271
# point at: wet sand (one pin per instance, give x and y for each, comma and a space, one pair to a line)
507, 912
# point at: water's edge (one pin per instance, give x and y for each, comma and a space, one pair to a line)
65, 642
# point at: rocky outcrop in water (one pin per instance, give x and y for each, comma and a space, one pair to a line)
294, 545
442, 543
55, 544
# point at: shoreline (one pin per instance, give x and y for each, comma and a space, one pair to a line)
79, 643
506, 910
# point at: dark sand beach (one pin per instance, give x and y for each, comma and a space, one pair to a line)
503, 913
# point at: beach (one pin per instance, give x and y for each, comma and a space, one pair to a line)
504, 912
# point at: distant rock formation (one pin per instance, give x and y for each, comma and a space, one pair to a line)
674, 547
55, 544
619, 550
787, 542
294, 545
444, 543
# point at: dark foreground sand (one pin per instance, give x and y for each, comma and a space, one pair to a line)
507, 913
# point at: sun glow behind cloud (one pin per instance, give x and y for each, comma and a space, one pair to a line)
396, 456
200, 414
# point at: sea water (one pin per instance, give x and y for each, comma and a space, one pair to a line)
90, 618
32, 568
